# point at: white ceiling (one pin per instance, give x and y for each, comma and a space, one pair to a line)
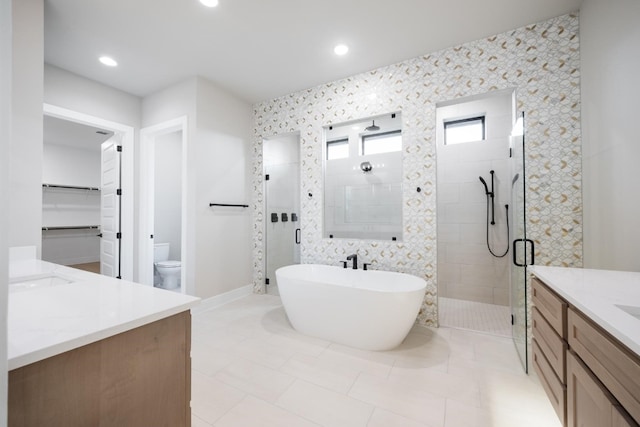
261, 49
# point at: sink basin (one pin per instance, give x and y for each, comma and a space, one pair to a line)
630, 309
22, 284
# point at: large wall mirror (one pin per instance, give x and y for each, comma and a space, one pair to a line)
363, 179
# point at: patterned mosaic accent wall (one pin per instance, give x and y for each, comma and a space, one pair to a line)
541, 61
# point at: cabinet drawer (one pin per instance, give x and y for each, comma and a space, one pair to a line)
550, 305
614, 365
555, 390
589, 404
550, 343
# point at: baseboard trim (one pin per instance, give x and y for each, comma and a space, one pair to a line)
222, 299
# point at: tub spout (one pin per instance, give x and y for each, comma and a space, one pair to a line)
353, 257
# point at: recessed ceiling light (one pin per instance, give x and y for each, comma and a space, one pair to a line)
341, 49
108, 61
209, 3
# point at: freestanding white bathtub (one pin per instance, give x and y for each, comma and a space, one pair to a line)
371, 310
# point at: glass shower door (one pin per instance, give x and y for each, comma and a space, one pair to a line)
281, 155
520, 242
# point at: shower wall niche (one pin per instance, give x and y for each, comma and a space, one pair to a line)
466, 268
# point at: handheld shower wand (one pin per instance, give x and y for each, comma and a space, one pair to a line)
486, 188
490, 194
491, 207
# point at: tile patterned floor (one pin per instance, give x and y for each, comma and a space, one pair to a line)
250, 368
476, 316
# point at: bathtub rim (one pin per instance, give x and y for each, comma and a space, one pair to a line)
411, 282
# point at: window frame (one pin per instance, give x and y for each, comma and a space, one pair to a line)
364, 137
340, 141
458, 122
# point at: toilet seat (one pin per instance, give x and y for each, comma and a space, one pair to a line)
168, 264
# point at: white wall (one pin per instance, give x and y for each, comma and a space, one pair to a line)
466, 268
167, 224
223, 166
25, 208
5, 137
65, 89
65, 165
219, 125
610, 37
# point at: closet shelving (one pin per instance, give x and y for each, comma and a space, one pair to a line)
70, 187
77, 209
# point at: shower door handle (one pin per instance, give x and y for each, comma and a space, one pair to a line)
515, 252
298, 233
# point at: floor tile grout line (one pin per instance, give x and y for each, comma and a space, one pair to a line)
482, 346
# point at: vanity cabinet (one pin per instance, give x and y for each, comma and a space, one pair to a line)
589, 376
140, 377
549, 345
589, 403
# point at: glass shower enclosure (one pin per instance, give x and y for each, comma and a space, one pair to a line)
522, 248
281, 158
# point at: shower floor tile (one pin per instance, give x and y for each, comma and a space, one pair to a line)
251, 368
475, 316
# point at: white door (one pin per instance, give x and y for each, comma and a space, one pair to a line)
110, 209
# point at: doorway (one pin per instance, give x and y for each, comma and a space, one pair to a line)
163, 225
281, 156
87, 220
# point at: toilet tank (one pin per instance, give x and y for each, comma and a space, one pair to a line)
161, 252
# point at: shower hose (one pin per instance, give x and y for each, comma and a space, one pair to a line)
506, 208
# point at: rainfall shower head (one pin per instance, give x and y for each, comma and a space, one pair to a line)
486, 188
373, 127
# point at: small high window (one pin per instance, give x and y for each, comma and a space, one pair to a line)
386, 142
338, 149
464, 130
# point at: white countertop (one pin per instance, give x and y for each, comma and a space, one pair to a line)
597, 293
47, 317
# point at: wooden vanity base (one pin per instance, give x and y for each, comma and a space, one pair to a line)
138, 378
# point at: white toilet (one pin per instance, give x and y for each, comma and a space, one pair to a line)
169, 270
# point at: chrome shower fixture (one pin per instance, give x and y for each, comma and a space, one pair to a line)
373, 127
366, 167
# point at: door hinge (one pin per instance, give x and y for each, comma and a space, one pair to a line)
266, 177
266, 281
119, 192
118, 235
119, 148
510, 152
513, 320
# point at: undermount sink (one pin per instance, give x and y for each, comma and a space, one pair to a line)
630, 309
22, 284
